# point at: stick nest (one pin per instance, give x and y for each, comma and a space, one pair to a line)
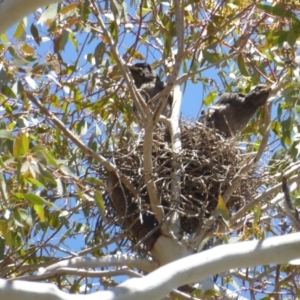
208, 161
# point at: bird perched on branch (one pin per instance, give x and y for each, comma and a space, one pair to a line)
149, 85
232, 112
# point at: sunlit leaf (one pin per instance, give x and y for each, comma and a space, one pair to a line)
49, 13
3, 227
242, 65
22, 122
3, 38
3, 77
117, 9
31, 82
63, 40
60, 187
222, 208
211, 293
51, 160
21, 145
4, 134
286, 126
94, 181
46, 175
82, 127
68, 171
135, 54
92, 144
7, 91
257, 214
277, 11
10, 238
25, 167
34, 182
210, 98
22, 218
40, 212
73, 41
100, 204
20, 30
68, 8
210, 57
113, 30
36, 200
28, 49
55, 101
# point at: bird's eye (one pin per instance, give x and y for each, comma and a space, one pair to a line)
257, 89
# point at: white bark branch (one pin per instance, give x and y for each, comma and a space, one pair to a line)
199, 266
81, 273
26, 268
174, 219
102, 262
156, 285
12, 11
148, 174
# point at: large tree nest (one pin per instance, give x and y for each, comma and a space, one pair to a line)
208, 162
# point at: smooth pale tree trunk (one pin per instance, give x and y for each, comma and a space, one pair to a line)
157, 284
12, 11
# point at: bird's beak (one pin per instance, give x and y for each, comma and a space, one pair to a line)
263, 89
133, 68
267, 89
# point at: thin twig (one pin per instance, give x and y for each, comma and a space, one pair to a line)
260, 198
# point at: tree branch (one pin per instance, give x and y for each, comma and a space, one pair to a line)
148, 175
106, 163
260, 198
136, 96
81, 272
156, 285
174, 219
101, 262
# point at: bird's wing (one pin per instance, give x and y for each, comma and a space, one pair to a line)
230, 98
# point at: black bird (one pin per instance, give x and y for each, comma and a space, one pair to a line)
150, 85
232, 112
142, 73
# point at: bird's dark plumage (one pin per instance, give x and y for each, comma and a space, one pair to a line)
142, 73
232, 112
149, 84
